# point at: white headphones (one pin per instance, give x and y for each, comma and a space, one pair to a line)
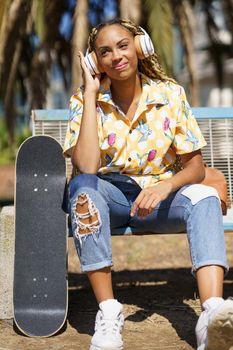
144, 48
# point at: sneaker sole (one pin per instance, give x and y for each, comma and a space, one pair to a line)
220, 330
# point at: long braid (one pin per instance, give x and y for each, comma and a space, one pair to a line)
149, 66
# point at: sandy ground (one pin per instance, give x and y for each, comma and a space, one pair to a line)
151, 277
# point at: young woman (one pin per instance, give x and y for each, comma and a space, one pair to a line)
129, 125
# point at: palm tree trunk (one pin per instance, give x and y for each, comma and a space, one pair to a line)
228, 11
159, 24
9, 94
79, 40
185, 20
216, 49
46, 16
3, 4
12, 30
8, 33
131, 9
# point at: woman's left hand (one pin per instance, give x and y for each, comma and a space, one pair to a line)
193, 172
149, 198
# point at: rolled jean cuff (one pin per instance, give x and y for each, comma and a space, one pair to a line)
210, 263
97, 266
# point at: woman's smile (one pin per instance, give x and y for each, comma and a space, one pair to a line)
121, 66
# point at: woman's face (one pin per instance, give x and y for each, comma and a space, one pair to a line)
116, 52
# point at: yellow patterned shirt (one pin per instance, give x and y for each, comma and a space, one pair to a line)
146, 147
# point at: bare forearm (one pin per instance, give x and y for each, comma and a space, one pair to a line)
148, 198
189, 175
86, 153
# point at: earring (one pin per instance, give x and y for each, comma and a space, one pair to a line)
144, 45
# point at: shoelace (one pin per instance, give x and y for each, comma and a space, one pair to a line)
109, 325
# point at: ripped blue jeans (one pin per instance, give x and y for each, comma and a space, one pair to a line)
97, 206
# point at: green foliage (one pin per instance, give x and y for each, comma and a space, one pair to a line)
21, 136
3, 135
7, 150
7, 153
160, 22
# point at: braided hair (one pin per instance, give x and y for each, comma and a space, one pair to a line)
149, 66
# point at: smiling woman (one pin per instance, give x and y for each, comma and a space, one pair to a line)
119, 59
129, 125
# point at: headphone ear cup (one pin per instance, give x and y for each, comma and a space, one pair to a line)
144, 45
92, 63
139, 51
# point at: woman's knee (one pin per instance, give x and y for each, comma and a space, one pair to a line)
198, 192
78, 184
209, 208
87, 215
82, 180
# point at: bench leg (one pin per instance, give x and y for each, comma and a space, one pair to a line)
7, 248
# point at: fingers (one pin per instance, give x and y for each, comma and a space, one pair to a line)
82, 62
144, 204
141, 205
148, 209
142, 213
136, 203
86, 74
97, 77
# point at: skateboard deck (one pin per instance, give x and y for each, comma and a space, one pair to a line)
40, 271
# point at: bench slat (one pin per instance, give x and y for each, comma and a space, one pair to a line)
199, 112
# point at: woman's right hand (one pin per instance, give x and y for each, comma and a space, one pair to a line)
91, 83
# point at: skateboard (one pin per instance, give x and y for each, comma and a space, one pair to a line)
40, 271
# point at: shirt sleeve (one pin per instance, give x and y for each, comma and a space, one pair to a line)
73, 128
188, 136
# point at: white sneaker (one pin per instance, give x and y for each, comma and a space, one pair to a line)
214, 329
108, 326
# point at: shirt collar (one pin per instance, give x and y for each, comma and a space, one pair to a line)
151, 89
105, 94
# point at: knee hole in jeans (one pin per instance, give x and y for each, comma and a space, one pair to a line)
87, 215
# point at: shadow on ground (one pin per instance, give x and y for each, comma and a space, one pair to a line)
163, 292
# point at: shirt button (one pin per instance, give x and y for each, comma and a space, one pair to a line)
129, 159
